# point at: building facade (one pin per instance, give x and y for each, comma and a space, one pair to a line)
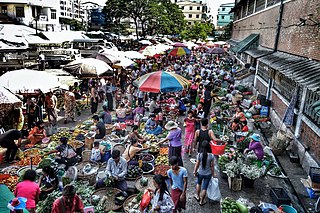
43, 14
194, 11
281, 40
224, 16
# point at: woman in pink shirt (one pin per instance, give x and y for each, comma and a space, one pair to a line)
190, 126
29, 189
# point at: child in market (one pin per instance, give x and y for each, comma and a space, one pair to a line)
190, 125
96, 153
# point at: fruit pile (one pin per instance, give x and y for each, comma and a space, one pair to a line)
229, 205
134, 172
10, 182
162, 160
161, 169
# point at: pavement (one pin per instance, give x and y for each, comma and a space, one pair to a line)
262, 186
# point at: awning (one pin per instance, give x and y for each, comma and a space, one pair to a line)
259, 52
233, 42
303, 71
245, 43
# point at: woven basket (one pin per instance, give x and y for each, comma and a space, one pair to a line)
127, 201
110, 193
91, 178
86, 155
150, 185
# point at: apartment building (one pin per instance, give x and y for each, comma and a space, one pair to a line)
193, 10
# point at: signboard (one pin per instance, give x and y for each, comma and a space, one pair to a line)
97, 17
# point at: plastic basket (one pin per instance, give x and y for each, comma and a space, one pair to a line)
217, 149
288, 209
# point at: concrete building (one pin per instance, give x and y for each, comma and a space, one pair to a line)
224, 16
43, 14
281, 40
193, 10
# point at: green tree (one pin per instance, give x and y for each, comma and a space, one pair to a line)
228, 31
115, 10
199, 30
74, 24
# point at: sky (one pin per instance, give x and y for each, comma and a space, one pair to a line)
214, 5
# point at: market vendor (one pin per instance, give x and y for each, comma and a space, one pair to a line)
152, 127
255, 146
37, 133
117, 170
130, 153
105, 115
174, 138
134, 134
69, 202
100, 127
153, 106
239, 114
7, 141
121, 113
67, 154
48, 182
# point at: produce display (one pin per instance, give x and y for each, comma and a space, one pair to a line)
34, 152
76, 144
164, 151
56, 137
161, 169
147, 167
45, 162
146, 157
229, 205
11, 170
134, 172
144, 181
10, 182
36, 159
132, 204
162, 160
154, 147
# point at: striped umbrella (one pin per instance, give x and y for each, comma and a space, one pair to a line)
179, 51
161, 81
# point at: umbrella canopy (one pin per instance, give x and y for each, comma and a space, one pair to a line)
216, 50
220, 42
145, 42
161, 81
210, 44
150, 51
124, 62
88, 67
6, 97
134, 55
178, 44
106, 57
180, 51
28, 81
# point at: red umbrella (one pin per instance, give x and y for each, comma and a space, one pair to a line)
178, 44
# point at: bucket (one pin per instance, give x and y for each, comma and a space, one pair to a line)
217, 149
288, 209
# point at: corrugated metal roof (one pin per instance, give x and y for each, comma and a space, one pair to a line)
245, 43
260, 51
303, 71
233, 42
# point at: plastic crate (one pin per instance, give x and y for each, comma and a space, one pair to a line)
314, 174
279, 196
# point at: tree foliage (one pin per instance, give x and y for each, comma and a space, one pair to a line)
153, 16
198, 30
74, 24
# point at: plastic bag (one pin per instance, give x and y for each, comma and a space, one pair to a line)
213, 191
146, 198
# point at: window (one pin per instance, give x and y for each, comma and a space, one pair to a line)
182, 7
53, 14
222, 17
189, 23
197, 16
4, 9
223, 9
198, 8
190, 15
190, 8
231, 17
20, 12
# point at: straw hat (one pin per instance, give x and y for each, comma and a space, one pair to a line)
171, 125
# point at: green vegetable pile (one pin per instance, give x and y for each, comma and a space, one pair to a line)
229, 205
84, 191
45, 162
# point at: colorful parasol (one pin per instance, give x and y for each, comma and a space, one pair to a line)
180, 51
216, 50
161, 81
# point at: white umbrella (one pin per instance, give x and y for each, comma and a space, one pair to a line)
145, 42
27, 81
134, 55
124, 62
6, 97
220, 42
88, 67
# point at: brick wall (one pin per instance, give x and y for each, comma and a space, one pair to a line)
266, 28
310, 139
278, 105
303, 40
261, 87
